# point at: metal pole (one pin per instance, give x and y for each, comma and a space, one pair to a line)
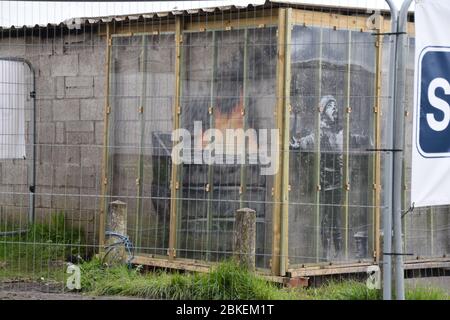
398, 145
387, 212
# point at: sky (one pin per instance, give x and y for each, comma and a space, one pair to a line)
21, 13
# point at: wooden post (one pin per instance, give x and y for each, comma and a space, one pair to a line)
210, 186
377, 172
175, 176
243, 171
117, 219
105, 163
244, 238
317, 150
281, 183
346, 146
141, 109
284, 248
117, 223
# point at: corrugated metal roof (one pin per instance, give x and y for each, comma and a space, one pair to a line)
77, 23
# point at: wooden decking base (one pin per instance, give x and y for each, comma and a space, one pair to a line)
297, 276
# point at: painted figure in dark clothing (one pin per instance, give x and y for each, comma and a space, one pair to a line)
331, 172
331, 160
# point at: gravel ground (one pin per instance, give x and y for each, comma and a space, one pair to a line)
45, 291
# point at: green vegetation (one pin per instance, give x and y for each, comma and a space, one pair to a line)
226, 281
41, 251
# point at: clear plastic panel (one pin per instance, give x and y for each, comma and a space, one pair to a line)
142, 95
332, 82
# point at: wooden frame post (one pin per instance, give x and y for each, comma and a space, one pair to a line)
376, 202
210, 186
280, 218
141, 114
105, 160
175, 184
243, 171
317, 149
346, 146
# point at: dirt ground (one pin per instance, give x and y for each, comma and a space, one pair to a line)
45, 291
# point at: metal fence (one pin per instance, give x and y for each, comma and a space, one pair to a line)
110, 91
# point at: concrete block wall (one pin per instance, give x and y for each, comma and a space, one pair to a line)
70, 95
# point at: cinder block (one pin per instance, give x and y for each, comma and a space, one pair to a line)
91, 156
60, 87
67, 176
45, 88
65, 199
79, 126
44, 110
91, 109
36, 46
64, 65
21, 196
44, 174
6, 195
81, 43
14, 172
99, 86
43, 197
13, 47
44, 67
66, 154
79, 87
64, 110
93, 63
80, 137
90, 199
59, 132
45, 132
99, 127
89, 177
44, 154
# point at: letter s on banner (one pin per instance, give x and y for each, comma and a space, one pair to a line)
438, 103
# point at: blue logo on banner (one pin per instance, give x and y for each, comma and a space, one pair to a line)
434, 103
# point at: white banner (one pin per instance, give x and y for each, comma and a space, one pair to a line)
13, 95
430, 176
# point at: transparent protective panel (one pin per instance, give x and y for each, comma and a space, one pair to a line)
142, 96
332, 99
228, 94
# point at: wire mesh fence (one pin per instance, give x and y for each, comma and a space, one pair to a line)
302, 90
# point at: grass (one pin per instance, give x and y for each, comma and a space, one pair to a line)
39, 252
42, 251
227, 281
